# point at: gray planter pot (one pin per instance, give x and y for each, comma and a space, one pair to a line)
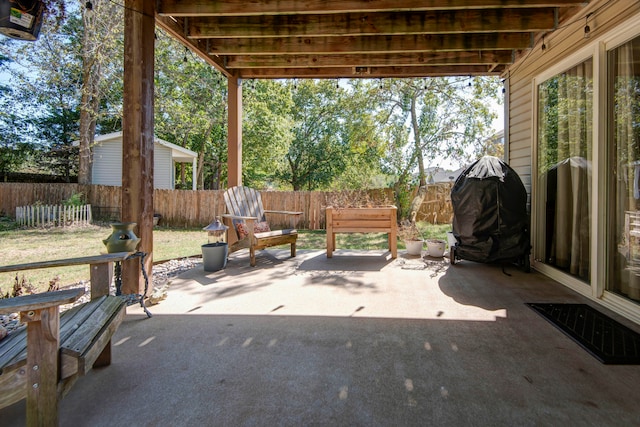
214, 256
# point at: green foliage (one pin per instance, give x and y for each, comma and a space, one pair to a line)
76, 199
303, 134
423, 119
191, 110
267, 131
7, 224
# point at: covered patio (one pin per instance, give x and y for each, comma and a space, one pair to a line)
358, 339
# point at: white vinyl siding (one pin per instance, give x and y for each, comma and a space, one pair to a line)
107, 163
162, 167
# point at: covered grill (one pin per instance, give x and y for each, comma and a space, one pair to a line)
490, 219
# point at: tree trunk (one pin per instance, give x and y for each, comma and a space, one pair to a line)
416, 203
417, 142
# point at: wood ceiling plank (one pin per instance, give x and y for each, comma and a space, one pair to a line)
371, 72
400, 59
370, 44
362, 24
277, 7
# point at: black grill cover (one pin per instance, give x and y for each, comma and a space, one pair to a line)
490, 219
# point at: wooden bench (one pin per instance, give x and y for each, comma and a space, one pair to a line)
42, 361
362, 220
244, 205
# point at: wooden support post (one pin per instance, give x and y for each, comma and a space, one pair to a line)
234, 138
137, 135
42, 365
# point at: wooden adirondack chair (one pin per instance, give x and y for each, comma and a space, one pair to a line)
247, 223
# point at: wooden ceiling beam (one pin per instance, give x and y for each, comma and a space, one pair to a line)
370, 44
282, 7
370, 72
401, 59
175, 28
363, 24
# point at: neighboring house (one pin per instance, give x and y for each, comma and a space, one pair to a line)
573, 136
436, 175
107, 161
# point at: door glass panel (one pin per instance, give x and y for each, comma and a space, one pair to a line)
563, 186
623, 92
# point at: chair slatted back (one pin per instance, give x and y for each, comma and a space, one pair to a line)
244, 201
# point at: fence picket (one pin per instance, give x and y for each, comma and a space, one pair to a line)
53, 215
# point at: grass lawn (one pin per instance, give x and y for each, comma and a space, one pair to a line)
19, 246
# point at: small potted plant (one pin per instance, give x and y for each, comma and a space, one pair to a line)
436, 247
409, 233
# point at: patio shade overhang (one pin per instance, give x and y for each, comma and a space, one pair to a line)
361, 38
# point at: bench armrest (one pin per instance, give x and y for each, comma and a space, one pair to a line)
95, 259
39, 301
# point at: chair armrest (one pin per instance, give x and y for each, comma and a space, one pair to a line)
245, 218
40, 301
283, 212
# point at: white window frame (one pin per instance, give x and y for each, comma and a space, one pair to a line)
597, 50
588, 52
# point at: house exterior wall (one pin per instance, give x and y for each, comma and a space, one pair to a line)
107, 165
560, 44
569, 42
162, 167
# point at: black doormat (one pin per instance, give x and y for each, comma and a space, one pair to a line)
607, 340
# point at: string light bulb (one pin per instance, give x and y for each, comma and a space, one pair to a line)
88, 6
185, 59
587, 29
544, 46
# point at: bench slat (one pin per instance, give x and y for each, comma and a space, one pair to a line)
13, 350
83, 337
91, 354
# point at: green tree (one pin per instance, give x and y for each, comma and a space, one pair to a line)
13, 152
267, 131
100, 42
317, 152
191, 110
63, 77
427, 118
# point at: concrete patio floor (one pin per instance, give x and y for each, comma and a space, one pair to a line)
356, 340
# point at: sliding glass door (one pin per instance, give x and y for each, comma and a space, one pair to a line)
623, 99
563, 179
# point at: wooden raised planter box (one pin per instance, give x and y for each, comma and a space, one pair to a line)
362, 220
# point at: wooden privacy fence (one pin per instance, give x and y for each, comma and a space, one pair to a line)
53, 215
187, 208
